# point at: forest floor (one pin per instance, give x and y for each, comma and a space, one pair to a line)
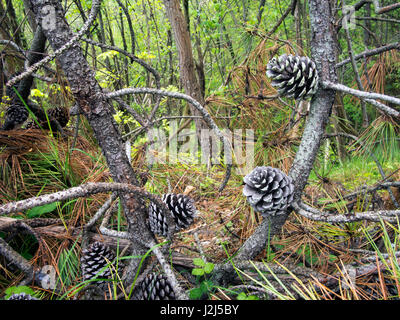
35, 164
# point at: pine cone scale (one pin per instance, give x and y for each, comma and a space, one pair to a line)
155, 287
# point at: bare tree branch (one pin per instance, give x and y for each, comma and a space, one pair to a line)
356, 74
86, 190
369, 53
92, 16
358, 93
14, 257
206, 116
380, 10
317, 215
283, 17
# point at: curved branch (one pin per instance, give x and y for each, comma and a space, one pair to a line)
128, 18
14, 257
14, 46
149, 68
129, 55
206, 116
384, 108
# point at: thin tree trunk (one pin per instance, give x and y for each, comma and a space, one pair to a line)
323, 47
298, 20
187, 69
30, 15
34, 55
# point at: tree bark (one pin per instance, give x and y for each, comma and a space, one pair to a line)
187, 68
93, 104
34, 55
323, 52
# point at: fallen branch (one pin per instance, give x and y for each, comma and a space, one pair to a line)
85, 190
73, 233
317, 215
14, 257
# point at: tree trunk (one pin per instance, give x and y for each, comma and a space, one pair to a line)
30, 16
187, 68
323, 52
34, 55
97, 110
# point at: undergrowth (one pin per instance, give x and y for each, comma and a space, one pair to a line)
225, 222
34, 163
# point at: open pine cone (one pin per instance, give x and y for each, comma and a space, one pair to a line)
268, 190
293, 76
155, 287
182, 209
95, 262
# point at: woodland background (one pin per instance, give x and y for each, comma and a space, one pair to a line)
132, 44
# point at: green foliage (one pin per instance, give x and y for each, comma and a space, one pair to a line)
203, 267
17, 290
223, 36
244, 296
38, 211
205, 286
201, 291
69, 267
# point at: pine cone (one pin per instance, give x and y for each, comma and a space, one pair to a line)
95, 262
182, 209
16, 114
155, 287
61, 114
21, 296
293, 76
157, 221
268, 190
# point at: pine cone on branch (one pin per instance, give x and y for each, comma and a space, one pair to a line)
293, 76
268, 190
